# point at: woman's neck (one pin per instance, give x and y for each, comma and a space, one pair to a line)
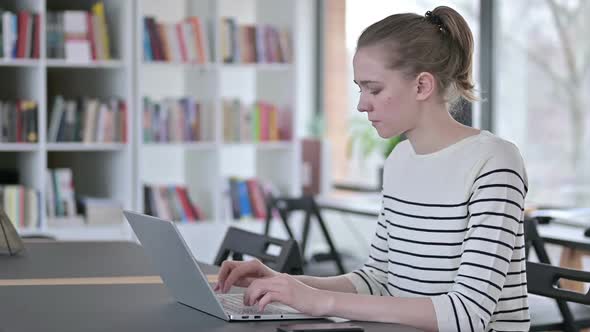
436, 129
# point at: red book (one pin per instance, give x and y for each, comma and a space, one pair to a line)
90, 31
197, 212
23, 23
181, 42
264, 121
186, 205
123, 110
199, 38
256, 198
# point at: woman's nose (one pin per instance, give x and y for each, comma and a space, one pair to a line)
363, 106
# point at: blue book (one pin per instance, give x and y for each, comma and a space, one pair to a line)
245, 208
147, 44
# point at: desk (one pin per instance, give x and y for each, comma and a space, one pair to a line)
563, 232
365, 204
122, 307
557, 232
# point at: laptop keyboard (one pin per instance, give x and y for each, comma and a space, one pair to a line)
235, 304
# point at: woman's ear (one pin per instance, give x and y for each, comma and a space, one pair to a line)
425, 86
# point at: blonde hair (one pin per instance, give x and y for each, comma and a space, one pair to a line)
440, 43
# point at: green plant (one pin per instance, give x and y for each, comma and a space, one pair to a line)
364, 137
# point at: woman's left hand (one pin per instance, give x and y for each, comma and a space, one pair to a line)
287, 290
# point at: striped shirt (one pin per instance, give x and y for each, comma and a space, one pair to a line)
451, 228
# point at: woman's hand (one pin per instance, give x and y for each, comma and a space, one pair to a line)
287, 290
241, 274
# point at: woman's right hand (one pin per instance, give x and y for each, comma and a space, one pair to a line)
241, 274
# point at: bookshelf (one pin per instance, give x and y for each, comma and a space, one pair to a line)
119, 170
205, 166
99, 169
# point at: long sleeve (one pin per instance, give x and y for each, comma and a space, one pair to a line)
372, 277
489, 290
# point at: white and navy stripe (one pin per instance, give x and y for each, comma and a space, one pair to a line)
465, 249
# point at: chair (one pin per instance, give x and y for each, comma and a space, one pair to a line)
285, 206
542, 278
238, 242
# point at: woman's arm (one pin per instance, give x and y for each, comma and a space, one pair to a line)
334, 284
416, 312
283, 288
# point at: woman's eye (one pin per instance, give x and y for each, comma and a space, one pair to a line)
375, 92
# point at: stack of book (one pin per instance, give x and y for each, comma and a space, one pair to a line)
254, 43
260, 122
100, 211
171, 202
18, 121
176, 120
19, 35
88, 120
22, 205
78, 35
186, 41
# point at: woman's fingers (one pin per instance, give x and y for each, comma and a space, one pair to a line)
258, 288
244, 282
238, 272
224, 271
269, 297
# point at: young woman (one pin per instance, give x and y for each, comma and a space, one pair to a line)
448, 251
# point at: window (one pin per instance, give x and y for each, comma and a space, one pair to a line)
541, 94
358, 150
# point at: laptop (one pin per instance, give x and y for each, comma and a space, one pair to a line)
181, 274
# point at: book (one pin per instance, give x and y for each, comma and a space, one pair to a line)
99, 11
244, 200
77, 43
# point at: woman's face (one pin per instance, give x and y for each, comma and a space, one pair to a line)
388, 98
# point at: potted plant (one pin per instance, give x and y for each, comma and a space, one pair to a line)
364, 139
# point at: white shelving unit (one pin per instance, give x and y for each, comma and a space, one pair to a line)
102, 170
119, 171
205, 166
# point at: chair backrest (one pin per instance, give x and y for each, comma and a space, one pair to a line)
534, 240
306, 204
546, 277
239, 242
285, 206
543, 278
